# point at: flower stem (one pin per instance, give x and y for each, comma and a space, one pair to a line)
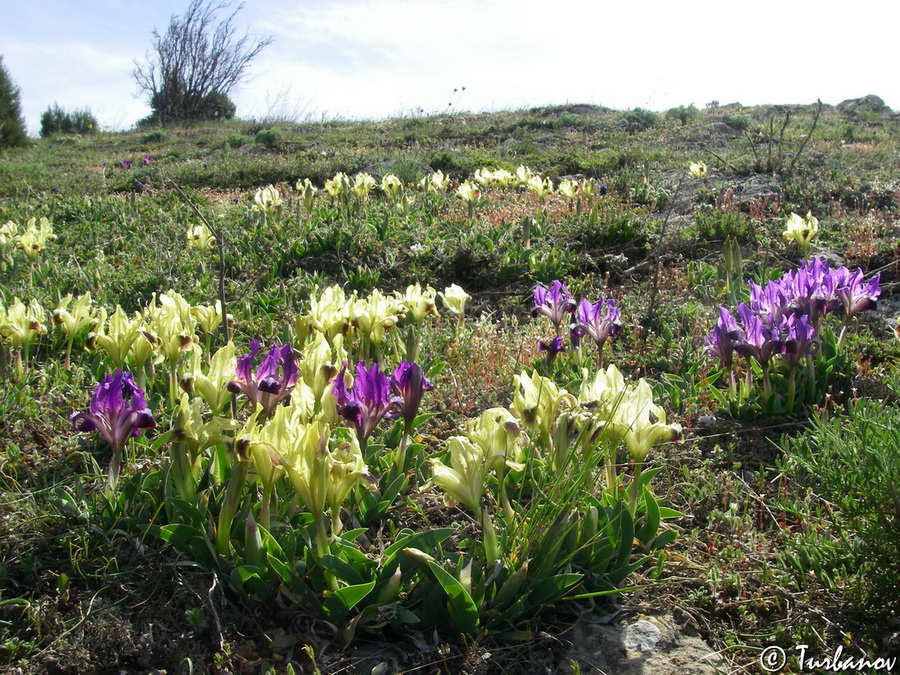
792, 389
115, 469
635, 488
229, 506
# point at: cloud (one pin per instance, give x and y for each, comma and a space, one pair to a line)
377, 58
77, 76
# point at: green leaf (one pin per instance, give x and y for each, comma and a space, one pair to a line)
407, 617
341, 569
625, 536
280, 568
425, 541
618, 574
191, 513
220, 467
462, 608
665, 538
190, 541
350, 535
247, 579
351, 596
553, 588
651, 526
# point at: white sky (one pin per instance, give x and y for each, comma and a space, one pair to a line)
370, 59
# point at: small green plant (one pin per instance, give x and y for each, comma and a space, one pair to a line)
647, 193
853, 462
157, 136
237, 140
716, 225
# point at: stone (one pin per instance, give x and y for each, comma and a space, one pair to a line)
870, 103
639, 645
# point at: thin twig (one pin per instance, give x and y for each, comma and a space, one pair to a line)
215, 614
787, 119
756, 161
808, 135
662, 235
221, 245
725, 162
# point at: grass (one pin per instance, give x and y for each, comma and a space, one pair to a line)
769, 550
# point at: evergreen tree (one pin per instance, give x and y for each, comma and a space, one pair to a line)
12, 124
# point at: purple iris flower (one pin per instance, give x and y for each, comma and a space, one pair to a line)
603, 189
367, 401
265, 387
758, 338
126, 164
118, 411
147, 160
720, 343
770, 300
590, 319
408, 381
799, 338
727, 324
854, 293
554, 303
554, 347
812, 288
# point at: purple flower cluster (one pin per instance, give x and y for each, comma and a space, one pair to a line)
599, 320
783, 316
374, 395
266, 387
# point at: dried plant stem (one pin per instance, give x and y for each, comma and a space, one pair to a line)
651, 309
221, 246
808, 135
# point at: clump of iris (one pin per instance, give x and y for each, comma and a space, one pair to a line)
118, 411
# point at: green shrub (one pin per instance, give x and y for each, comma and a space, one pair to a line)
236, 140
55, 120
639, 119
738, 122
683, 114
408, 170
459, 164
269, 137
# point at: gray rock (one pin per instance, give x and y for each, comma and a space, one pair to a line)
870, 103
641, 636
641, 645
759, 186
